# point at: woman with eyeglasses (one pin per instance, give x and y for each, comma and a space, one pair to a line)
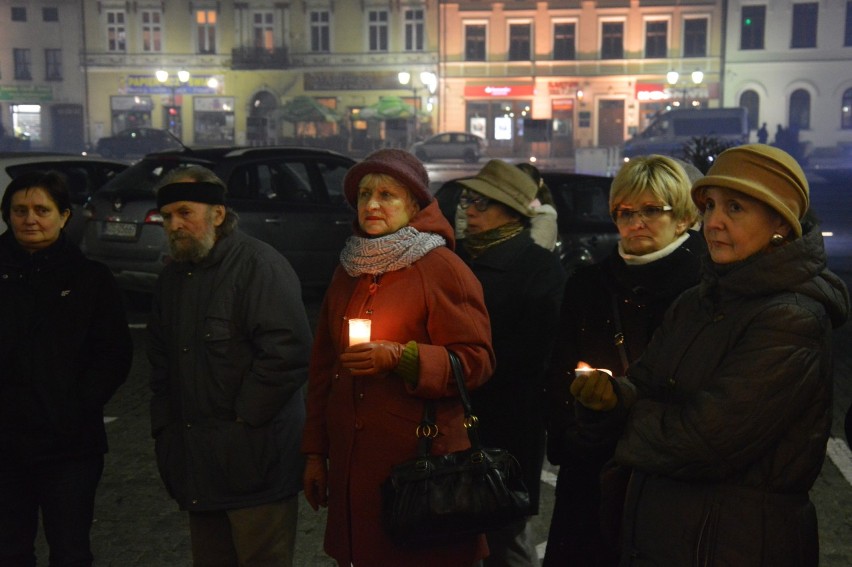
522, 283
609, 312
724, 418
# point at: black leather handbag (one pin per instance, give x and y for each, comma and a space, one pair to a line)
434, 499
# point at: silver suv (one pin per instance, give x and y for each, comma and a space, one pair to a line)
290, 197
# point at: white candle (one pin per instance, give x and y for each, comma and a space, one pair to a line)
359, 331
587, 370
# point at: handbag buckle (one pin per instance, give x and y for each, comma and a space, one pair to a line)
471, 421
477, 457
426, 430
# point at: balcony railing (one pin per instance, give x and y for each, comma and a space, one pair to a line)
260, 58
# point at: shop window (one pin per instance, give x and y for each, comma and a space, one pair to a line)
800, 110
152, 31
52, 65
378, 30
205, 26
414, 30
116, 31
656, 39
564, 41
804, 33
752, 27
695, 37
520, 37
320, 31
474, 42
751, 102
846, 110
23, 64
612, 40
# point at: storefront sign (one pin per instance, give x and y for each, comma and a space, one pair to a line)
322, 81
562, 87
651, 91
143, 103
148, 85
26, 93
499, 91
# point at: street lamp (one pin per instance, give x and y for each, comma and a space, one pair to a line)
172, 111
672, 78
428, 79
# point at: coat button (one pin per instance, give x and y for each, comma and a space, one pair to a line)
337, 376
671, 382
184, 349
361, 396
189, 426
194, 501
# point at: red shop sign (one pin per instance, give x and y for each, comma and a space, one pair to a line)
499, 91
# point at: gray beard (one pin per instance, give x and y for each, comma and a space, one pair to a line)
185, 248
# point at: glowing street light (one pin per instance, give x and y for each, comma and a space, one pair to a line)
672, 78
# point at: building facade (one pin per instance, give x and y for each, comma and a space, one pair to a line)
42, 93
547, 77
244, 61
531, 77
790, 63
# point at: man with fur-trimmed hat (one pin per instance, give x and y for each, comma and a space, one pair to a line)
229, 342
523, 290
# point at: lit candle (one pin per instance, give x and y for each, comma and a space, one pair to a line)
584, 371
359, 331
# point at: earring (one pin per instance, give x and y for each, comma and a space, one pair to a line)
777, 239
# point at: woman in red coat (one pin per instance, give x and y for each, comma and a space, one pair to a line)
365, 401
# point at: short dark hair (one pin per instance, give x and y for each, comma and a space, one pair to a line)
53, 183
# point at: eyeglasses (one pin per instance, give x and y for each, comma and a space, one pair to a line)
648, 213
479, 202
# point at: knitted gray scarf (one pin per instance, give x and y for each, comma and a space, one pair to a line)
387, 253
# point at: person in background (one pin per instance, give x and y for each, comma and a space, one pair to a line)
366, 400
543, 227
523, 285
724, 419
762, 134
609, 312
229, 341
64, 349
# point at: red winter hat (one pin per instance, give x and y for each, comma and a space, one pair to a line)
399, 164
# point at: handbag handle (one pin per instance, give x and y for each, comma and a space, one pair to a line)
428, 430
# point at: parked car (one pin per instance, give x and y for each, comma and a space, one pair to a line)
449, 145
85, 175
586, 230
832, 164
137, 142
291, 198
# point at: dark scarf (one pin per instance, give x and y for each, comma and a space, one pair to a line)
476, 244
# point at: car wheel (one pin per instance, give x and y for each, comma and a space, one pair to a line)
470, 156
421, 155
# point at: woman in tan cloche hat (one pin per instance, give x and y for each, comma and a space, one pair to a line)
725, 417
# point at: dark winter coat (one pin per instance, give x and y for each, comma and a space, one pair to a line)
366, 424
589, 330
733, 413
64, 350
523, 286
229, 339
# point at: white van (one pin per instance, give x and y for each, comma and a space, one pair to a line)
671, 130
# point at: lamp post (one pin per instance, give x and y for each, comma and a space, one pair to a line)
429, 80
672, 78
172, 115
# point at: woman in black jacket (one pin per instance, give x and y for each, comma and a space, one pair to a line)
609, 312
729, 408
64, 350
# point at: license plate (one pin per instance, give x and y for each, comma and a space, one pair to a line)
121, 229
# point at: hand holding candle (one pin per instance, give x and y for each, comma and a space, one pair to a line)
593, 388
